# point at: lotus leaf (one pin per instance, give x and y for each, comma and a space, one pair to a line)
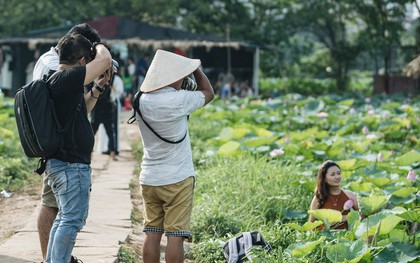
371, 204
413, 216
229, 149
404, 192
343, 253
398, 253
333, 216
408, 158
301, 249
308, 226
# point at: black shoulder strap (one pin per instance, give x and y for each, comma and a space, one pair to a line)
136, 108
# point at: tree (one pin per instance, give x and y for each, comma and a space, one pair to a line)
383, 21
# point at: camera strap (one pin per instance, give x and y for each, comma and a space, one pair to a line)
136, 108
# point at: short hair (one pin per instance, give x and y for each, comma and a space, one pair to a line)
73, 47
85, 30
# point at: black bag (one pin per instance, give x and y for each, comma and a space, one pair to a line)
39, 130
238, 248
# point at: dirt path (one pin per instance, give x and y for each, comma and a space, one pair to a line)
15, 211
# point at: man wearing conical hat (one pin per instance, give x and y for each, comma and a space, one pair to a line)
168, 96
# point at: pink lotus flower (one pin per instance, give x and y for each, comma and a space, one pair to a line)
296, 108
276, 152
371, 112
379, 157
227, 101
352, 111
287, 140
365, 130
411, 176
322, 115
367, 100
348, 204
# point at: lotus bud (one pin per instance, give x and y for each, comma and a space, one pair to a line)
348, 204
352, 111
367, 100
365, 130
411, 176
379, 158
287, 140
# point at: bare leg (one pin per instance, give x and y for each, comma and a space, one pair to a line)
175, 250
45, 221
151, 247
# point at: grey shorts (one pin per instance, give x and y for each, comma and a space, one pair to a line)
48, 198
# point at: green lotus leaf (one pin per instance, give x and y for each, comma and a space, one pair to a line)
398, 235
397, 252
408, 158
258, 141
333, 216
263, 132
301, 249
229, 149
361, 187
413, 216
226, 134
369, 226
306, 227
404, 192
347, 165
239, 133
359, 147
352, 219
343, 253
372, 203
380, 181
347, 102
389, 223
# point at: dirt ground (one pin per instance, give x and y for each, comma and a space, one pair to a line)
15, 211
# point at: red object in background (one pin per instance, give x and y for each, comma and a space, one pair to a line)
180, 52
127, 103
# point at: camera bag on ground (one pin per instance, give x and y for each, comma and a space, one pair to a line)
136, 108
40, 132
238, 248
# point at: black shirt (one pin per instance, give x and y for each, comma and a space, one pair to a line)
66, 90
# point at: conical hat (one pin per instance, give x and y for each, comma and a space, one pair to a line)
167, 68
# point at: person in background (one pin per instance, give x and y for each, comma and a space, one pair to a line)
142, 67
48, 62
68, 170
329, 194
167, 174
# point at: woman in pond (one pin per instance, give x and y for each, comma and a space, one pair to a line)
329, 194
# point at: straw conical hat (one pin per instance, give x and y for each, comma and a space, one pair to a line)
167, 68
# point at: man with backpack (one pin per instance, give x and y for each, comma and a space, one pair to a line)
68, 170
167, 171
47, 63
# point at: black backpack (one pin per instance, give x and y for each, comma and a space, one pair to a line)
238, 248
40, 132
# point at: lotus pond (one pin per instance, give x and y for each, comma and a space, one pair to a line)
256, 163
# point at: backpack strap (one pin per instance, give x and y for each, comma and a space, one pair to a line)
233, 250
136, 109
248, 242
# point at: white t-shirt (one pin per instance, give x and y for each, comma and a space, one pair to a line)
48, 61
166, 111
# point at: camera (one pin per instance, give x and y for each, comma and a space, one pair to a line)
189, 84
115, 66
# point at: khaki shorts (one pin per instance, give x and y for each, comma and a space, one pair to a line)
167, 208
48, 198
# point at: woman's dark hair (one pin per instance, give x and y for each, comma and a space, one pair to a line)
322, 189
86, 31
71, 48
